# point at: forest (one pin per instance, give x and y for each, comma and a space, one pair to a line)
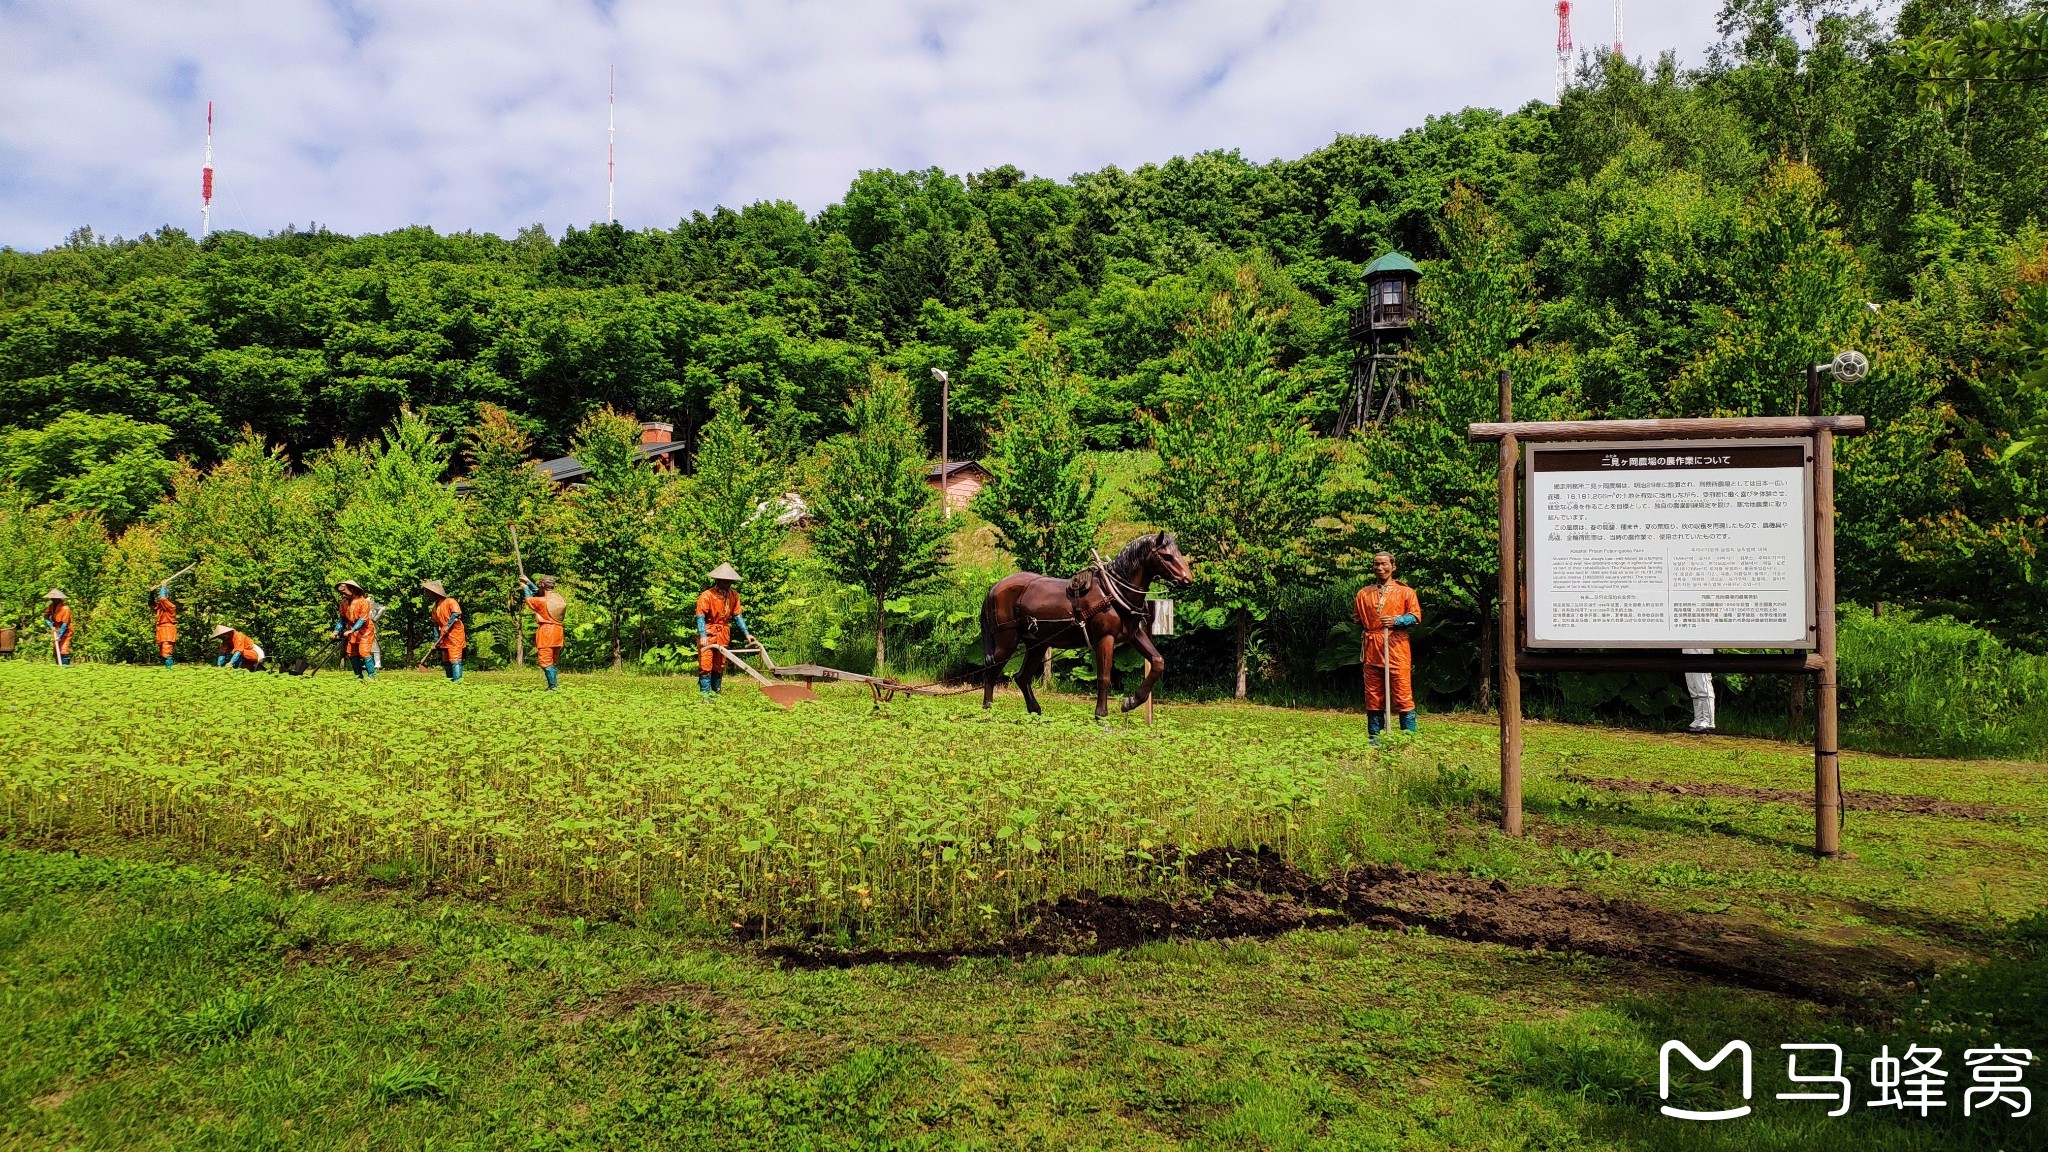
1661, 241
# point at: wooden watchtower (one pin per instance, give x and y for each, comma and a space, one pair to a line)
1379, 332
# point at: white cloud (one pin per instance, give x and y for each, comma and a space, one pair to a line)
371, 114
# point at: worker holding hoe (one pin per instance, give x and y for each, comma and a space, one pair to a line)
1387, 611
718, 612
166, 610
547, 606
58, 617
451, 635
237, 650
356, 630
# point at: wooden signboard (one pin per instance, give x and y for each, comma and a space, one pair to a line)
1646, 537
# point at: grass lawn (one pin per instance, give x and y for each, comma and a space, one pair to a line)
171, 975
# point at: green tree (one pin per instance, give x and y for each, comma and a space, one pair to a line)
506, 494
879, 524
615, 521
108, 464
260, 546
43, 547
1041, 492
401, 527
1423, 492
1240, 477
727, 513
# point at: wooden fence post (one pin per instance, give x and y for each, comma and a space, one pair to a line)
1827, 766
1510, 680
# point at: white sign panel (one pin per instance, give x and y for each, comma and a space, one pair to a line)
1693, 544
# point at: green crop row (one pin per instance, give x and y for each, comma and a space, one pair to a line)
927, 820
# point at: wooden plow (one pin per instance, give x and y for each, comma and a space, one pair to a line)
773, 683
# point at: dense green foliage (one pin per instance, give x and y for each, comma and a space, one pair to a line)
1041, 496
1659, 242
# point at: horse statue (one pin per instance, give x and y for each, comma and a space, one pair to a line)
1101, 607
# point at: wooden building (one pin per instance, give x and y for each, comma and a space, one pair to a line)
960, 481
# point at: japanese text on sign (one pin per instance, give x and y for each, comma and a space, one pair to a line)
1700, 545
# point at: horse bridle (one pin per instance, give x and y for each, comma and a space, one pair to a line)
1114, 582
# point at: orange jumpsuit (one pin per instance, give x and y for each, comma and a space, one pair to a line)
363, 640
717, 608
236, 644
166, 624
1376, 607
547, 627
58, 614
455, 636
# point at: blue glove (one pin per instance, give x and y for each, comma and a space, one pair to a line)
740, 622
703, 633
220, 662
528, 588
1405, 620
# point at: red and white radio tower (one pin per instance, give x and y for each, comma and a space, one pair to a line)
206, 179
1564, 46
1617, 28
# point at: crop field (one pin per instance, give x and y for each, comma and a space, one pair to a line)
253, 911
933, 822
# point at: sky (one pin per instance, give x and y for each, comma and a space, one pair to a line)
490, 115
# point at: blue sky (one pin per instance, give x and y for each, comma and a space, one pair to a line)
366, 115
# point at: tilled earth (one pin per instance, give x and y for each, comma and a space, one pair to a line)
1853, 801
1260, 894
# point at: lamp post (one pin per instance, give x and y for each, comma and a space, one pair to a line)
945, 419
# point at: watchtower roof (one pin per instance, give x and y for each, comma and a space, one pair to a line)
1392, 264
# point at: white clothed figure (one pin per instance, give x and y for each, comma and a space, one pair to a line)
1701, 687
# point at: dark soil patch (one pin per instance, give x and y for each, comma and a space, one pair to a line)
750, 1046
640, 995
1853, 801
310, 953
1260, 894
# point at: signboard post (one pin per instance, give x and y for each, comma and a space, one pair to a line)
1641, 538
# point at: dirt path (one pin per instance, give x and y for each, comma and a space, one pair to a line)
1853, 801
1260, 894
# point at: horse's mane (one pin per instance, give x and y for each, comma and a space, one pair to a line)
1129, 565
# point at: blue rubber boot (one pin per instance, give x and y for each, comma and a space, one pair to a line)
704, 684
1408, 720
1374, 721
169, 661
455, 671
717, 683
552, 682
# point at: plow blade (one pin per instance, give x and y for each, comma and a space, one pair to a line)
788, 695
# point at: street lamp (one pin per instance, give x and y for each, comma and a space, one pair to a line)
945, 419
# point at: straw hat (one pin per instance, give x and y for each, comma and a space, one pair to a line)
435, 587
349, 586
55, 594
220, 630
725, 572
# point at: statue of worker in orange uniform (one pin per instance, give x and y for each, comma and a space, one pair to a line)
237, 650
547, 606
1387, 611
451, 632
718, 613
356, 628
166, 612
